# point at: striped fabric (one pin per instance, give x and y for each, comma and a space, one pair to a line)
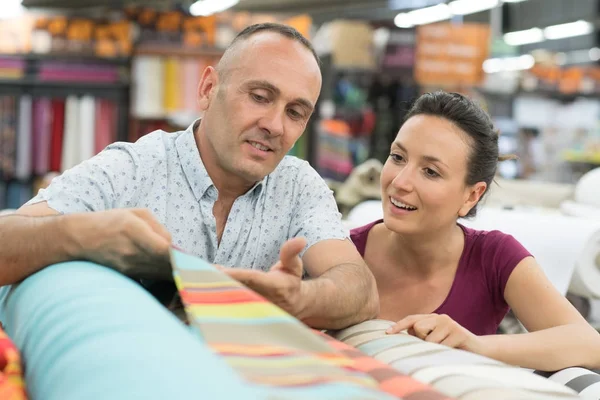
581, 380
272, 350
455, 373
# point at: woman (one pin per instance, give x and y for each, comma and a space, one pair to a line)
446, 283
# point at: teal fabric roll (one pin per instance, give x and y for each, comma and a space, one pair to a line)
87, 332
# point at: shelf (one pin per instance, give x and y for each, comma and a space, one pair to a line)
88, 59
178, 51
63, 84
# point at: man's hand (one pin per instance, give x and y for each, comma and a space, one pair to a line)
282, 284
131, 241
440, 329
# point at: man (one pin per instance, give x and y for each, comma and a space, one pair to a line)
223, 190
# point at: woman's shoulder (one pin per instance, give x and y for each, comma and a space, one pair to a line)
490, 240
360, 234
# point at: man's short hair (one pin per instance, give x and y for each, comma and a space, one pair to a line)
284, 30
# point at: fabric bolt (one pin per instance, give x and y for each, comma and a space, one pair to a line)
172, 83
12, 385
105, 120
71, 139
581, 380
455, 373
87, 127
189, 81
270, 348
164, 173
8, 139
42, 132
148, 87
57, 135
23, 166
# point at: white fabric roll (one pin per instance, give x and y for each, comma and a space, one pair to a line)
87, 127
148, 87
71, 145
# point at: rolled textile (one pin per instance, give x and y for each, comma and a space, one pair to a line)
87, 128
455, 373
88, 332
148, 87
567, 248
71, 138
24, 138
581, 380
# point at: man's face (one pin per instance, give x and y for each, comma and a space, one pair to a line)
256, 112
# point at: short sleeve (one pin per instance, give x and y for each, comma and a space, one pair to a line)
105, 181
505, 253
316, 216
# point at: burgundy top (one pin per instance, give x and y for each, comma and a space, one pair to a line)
476, 298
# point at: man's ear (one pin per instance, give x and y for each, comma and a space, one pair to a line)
472, 196
207, 87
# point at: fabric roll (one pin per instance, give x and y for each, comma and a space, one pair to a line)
455, 373
58, 129
148, 87
8, 137
87, 128
106, 124
171, 82
71, 142
581, 380
189, 81
88, 332
24, 139
42, 131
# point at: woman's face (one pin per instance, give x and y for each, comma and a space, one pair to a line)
423, 180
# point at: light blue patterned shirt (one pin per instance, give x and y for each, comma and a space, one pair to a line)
164, 173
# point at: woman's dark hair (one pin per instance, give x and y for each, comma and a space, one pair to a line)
476, 123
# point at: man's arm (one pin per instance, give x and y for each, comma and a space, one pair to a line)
343, 292
129, 240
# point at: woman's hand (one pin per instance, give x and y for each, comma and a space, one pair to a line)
440, 329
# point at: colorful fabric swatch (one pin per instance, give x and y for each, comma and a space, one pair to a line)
12, 386
271, 349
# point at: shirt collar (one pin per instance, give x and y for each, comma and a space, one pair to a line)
193, 167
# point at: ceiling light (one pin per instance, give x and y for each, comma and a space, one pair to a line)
464, 7
11, 9
507, 64
423, 16
208, 7
570, 29
513, 1
518, 38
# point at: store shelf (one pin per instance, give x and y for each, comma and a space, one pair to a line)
171, 50
70, 57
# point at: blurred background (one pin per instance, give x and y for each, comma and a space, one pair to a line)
77, 75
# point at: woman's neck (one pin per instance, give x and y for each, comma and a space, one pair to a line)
426, 254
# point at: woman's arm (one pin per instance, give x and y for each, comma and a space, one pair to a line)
558, 337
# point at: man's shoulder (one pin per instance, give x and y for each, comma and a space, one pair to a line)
154, 146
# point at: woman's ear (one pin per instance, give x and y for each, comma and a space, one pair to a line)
473, 194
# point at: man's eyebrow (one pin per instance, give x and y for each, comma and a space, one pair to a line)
261, 84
